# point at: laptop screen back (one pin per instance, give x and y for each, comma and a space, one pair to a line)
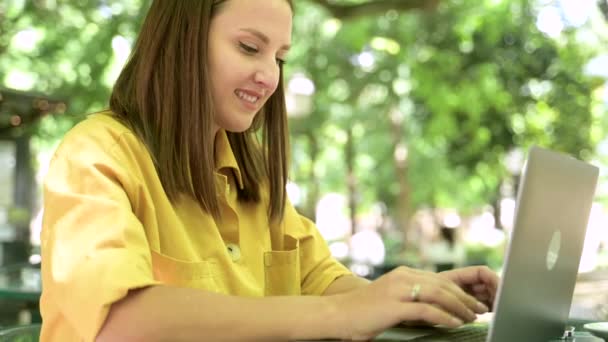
553, 205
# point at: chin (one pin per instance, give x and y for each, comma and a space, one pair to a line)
234, 119
236, 127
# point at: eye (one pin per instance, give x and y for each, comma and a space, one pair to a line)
248, 48
281, 62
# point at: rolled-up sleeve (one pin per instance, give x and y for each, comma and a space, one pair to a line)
94, 249
318, 268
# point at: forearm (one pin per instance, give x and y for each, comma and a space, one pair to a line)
345, 284
162, 313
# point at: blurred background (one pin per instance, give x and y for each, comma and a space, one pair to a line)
410, 119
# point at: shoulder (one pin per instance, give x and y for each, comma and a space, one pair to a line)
100, 134
101, 146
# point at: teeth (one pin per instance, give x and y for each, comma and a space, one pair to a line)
249, 98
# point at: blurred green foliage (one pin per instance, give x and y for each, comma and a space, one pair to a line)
458, 87
412, 108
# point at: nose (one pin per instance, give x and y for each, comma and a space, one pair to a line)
267, 76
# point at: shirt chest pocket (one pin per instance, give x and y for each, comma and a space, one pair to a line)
180, 273
282, 269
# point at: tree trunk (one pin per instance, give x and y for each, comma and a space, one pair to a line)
404, 211
497, 208
351, 180
313, 196
23, 191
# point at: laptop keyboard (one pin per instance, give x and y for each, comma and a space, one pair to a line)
470, 333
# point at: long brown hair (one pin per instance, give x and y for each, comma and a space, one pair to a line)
164, 95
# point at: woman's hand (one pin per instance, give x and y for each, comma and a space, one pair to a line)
402, 295
478, 281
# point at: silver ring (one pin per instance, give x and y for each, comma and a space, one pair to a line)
415, 294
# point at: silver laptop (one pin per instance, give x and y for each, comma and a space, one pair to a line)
541, 264
553, 205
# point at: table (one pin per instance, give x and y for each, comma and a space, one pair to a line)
397, 334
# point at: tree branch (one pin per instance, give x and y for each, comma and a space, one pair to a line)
375, 7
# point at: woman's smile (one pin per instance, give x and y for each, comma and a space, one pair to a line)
248, 98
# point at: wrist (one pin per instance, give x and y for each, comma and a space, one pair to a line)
335, 316
310, 318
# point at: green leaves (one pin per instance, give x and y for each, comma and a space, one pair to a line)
429, 100
64, 49
472, 80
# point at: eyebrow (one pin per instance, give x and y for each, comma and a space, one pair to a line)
263, 37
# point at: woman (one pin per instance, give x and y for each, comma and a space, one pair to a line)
166, 220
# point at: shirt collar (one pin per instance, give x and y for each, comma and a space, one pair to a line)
224, 157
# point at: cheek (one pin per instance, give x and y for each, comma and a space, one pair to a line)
275, 83
232, 69
222, 62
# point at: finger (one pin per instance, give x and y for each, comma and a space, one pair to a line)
489, 278
432, 280
491, 300
483, 297
479, 288
438, 295
430, 314
490, 291
473, 275
450, 296
469, 277
481, 292
469, 300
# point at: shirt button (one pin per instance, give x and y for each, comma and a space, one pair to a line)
234, 251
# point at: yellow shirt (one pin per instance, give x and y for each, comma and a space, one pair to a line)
108, 227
